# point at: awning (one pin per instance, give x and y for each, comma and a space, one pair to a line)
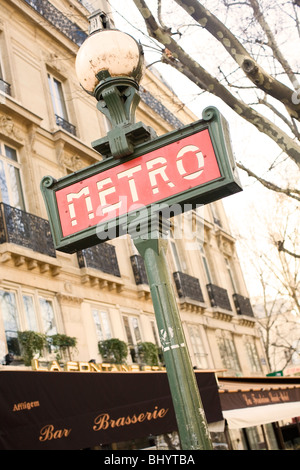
250, 402
75, 410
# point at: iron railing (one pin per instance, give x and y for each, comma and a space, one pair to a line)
139, 270
102, 257
243, 305
188, 286
218, 297
61, 122
24, 229
58, 20
5, 87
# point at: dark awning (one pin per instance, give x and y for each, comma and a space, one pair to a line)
259, 400
73, 410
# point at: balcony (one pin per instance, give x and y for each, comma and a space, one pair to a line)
189, 291
220, 302
139, 270
26, 239
244, 309
5, 87
26, 230
140, 276
99, 266
58, 20
243, 305
65, 125
102, 257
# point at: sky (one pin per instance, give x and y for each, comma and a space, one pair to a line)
249, 145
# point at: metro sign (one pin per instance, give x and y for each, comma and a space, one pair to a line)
187, 167
145, 180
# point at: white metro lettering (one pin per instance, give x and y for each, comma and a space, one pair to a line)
158, 171
131, 181
105, 206
200, 161
83, 192
136, 183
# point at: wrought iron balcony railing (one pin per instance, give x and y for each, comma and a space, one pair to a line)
188, 287
58, 20
26, 230
88, 5
218, 297
102, 257
61, 122
243, 305
5, 87
139, 270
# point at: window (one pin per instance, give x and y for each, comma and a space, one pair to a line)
10, 319
133, 334
228, 351
2, 54
205, 264
176, 259
102, 323
59, 105
22, 311
197, 347
57, 97
252, 355
4, 86
47, 316
175, 256
30, 313
230, 274
10, 178
215, 214
256, 437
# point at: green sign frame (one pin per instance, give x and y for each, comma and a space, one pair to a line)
228, 183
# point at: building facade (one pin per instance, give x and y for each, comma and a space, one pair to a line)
47, 125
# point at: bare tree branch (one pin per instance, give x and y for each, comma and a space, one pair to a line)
252, 69
293, 193
272, 43
291, 124
159, 15
180, 60
280, 246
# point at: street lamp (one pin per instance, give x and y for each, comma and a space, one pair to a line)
109, 66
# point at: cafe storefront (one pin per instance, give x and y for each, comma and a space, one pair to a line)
75, 410
129, 409
261, 413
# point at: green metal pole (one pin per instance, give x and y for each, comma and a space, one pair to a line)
191, 421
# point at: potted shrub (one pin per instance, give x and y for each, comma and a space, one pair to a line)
31, 343
63, 345
113, 350
148, 353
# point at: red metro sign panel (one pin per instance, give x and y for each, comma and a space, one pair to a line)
145, 180
190, 166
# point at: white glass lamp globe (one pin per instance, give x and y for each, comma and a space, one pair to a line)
111, 50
